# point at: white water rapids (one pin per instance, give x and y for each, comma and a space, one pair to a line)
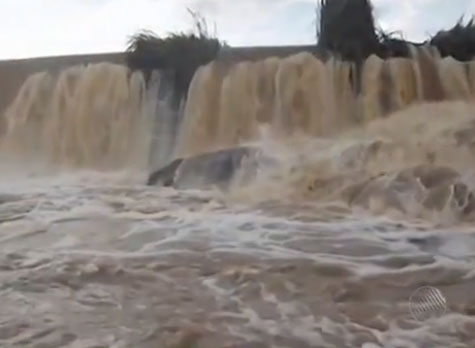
93, 258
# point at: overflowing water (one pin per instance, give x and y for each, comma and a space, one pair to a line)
228, 104
89, 117
369, 199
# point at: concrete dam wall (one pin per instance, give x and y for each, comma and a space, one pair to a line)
13, 73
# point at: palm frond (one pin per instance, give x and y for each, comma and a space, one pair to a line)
179, 53
346, 28
458, 42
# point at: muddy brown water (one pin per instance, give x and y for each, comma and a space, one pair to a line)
325, 252
89, 263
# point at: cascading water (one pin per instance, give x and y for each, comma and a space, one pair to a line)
366, 200
299, 93
95, 116
228, 105
102, 115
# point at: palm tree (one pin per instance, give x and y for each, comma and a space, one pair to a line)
179, 54
346, 29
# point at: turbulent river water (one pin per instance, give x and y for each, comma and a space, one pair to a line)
325, 248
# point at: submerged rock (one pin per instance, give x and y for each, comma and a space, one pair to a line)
203, 171
435, 188
166, 175
430, 176
466, 136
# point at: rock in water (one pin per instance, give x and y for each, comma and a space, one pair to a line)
436, 188
166, 175
215, 168
203, 171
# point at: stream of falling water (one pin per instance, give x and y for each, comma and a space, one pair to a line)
87, 117
324, 250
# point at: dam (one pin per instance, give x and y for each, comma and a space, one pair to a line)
266, 197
